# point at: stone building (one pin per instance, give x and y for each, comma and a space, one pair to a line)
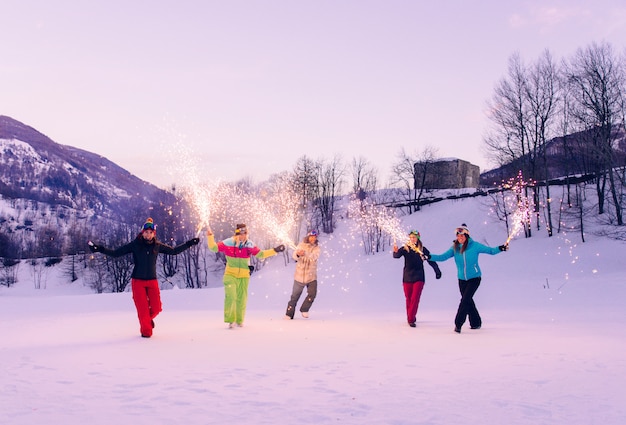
450, 173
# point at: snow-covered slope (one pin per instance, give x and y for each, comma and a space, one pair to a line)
550, 350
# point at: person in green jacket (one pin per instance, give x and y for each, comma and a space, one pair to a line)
238, 249
465, 252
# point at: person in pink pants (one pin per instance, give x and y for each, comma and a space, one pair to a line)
413, 273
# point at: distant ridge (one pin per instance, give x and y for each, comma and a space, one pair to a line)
34, 168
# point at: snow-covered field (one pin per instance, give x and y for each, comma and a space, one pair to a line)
551, 349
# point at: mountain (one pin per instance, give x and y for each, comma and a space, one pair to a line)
63, 184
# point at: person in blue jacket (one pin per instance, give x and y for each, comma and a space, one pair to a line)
465, 251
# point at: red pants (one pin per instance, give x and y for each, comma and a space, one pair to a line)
147, 297
412, 293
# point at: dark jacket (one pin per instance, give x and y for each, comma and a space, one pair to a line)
145, 255
414, 265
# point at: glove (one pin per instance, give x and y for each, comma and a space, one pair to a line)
93, 247
503, 247
437, 275
279, 248
251, 268
194, 241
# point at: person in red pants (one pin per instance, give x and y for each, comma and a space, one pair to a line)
145, 249
413, 274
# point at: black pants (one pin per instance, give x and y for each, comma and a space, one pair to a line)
467, 308
311, 292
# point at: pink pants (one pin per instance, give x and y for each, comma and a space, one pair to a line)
147, 297
412, 293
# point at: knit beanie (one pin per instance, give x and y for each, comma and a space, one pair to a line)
149, 225
462, 230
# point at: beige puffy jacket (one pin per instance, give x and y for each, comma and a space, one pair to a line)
306, 264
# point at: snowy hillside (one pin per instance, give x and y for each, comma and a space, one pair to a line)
550, 350
60, 193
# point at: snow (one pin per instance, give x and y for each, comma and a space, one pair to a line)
551, 349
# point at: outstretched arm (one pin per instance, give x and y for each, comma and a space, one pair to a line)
166, 249
492, 250
432, 264
210, 239
123, 250
441, 257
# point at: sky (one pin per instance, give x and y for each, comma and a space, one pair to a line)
250, 87
550, 351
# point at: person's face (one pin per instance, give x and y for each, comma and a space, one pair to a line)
413, 239
312, 239
148, 234
461, 237
242, 237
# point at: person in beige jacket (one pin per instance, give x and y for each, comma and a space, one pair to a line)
306, 255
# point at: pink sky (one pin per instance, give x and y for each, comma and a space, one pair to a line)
252, 86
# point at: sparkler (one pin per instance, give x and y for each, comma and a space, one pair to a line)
391, 225
384, 220
521, 213
227, 203
199, 232
206, 198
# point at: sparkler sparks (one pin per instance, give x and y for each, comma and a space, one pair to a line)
200, 195
368, 216
263, 212
521, 205
275, 210
391, 225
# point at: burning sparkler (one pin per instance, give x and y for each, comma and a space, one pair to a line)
206, 198
385, 220
521, 212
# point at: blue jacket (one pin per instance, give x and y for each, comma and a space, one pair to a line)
467, 262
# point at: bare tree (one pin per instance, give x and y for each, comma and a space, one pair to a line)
97, 273
191, 266
403, 175
542, 93
507, 142
304, 186
49, 242
8, 246
329, 182
596, 76
364, 177
71, 267
39, 272
411, 172
9, 269
169, 266
119, 270
569, 161
523, 111
423, 173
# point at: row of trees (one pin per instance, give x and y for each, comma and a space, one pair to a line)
531, 107
572, 111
